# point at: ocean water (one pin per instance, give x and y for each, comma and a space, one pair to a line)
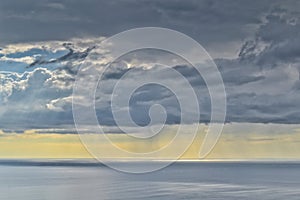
57, 180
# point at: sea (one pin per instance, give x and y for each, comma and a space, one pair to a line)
73, 180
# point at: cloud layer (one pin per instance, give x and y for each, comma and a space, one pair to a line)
261, 76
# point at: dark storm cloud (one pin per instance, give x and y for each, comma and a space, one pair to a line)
276, 41
71, 55
206, 21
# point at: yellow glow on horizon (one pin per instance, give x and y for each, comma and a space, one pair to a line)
230, 146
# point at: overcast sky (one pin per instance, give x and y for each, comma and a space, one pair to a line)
255, 44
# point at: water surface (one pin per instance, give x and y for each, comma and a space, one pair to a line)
57, 180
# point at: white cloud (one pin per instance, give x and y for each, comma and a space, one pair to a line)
59, 104
26, 59
58, 6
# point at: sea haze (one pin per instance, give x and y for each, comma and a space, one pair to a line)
35, 180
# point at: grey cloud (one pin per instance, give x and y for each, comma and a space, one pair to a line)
276, 41
271, 61
262, 82
249, 107
71, 55
212, 23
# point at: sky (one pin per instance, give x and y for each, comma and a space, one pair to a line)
255, 45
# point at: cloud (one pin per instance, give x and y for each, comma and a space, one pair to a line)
58, 6
276, 41
272, 62
25, 98
26, 59
261, 79
71, 55
40, 96
212, 23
